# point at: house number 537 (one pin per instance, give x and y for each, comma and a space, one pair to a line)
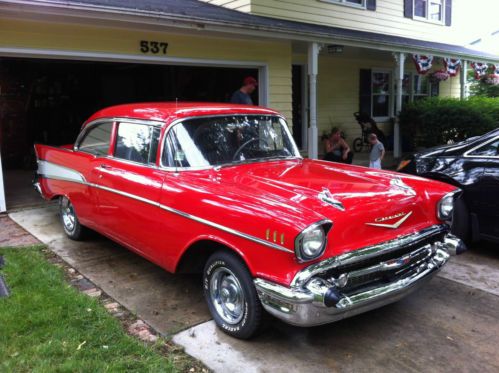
154, 47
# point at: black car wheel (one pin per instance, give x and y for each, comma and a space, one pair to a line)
231, 296
461, 225
70, 223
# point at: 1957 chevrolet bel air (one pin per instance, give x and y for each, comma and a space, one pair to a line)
222, 190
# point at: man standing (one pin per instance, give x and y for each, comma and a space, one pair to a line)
243, 94
377, 152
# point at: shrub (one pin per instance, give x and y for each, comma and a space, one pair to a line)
436, 121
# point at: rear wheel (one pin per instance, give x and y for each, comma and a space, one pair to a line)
461, 225
357, 145
70, 223
231, 296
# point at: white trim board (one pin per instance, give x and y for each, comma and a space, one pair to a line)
3, 205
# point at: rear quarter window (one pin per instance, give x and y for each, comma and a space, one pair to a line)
97, 139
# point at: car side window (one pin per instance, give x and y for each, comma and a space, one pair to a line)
97, 139
488, 150
137, 142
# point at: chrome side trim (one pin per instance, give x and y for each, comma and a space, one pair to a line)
365, 253
54, 171
164, 207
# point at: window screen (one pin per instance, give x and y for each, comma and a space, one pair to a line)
137, 143
97, 139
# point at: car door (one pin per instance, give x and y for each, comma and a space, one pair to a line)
129, 185
92, 146
486, 202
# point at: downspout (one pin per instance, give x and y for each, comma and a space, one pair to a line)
313, 67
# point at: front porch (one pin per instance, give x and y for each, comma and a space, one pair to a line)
341, 80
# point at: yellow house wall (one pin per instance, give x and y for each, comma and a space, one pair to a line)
387, 19
82, 38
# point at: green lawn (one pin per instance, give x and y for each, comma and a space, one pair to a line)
48, 326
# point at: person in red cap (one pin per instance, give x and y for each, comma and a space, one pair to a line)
243, 94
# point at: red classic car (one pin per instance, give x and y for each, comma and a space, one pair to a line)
222, 189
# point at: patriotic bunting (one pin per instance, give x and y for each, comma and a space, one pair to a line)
423, 63
480, 69
452, 66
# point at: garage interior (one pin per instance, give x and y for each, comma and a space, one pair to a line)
47, 101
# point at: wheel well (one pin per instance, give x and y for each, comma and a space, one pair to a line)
194, 258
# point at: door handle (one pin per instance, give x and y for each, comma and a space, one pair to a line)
105, 166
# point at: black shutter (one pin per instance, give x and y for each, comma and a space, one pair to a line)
408, 8
365, 91
371, 4
448, 12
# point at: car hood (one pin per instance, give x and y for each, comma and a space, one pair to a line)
449, 149
351, 197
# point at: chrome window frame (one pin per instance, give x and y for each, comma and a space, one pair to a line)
468, 155
114, 121
202, 168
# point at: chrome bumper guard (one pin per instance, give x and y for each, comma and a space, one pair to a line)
356, 282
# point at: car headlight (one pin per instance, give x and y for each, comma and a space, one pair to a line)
445, 206
311, 243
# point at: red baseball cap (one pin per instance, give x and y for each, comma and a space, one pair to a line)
249, 80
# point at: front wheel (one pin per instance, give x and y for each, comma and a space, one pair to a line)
231, 296
70, 223
357, 145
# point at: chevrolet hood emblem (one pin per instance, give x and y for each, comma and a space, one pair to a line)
380, 222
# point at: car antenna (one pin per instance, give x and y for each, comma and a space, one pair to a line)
176, 103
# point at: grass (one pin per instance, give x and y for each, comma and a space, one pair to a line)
46, 325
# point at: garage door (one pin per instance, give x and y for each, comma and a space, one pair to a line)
43, 100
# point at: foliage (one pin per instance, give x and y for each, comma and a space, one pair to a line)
485, 87
435, 121
45, 322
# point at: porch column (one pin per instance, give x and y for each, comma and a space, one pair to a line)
3, 206
399, 76
463, 77
313, 67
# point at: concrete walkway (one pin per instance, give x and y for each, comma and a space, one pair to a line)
166, 302
452, 324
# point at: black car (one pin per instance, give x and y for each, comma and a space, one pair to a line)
473, 166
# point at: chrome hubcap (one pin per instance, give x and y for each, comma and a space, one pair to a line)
226, 295
68, 215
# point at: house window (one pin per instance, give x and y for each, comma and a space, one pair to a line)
431, 10
357, 3
415, 87
380, 81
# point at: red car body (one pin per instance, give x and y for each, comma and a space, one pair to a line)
256, 210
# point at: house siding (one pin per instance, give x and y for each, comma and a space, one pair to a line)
82, 38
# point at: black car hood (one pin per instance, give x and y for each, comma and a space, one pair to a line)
450, 149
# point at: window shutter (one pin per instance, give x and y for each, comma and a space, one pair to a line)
371, 4
408, 8
448, 12
365, 91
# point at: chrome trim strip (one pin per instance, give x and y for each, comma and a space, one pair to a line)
467, 155
54, 171
365, 253
171, 210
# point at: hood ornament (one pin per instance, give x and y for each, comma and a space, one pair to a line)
379, 222
398, 183
326, 197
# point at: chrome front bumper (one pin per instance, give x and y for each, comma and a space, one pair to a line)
378, 275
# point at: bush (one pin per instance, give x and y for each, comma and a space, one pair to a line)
435, 121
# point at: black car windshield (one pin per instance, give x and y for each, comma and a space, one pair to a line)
225, 140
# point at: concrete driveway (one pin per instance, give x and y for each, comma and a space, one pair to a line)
452, 324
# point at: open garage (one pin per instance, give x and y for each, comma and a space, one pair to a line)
47, 100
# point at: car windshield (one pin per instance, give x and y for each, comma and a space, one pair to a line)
226, 140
